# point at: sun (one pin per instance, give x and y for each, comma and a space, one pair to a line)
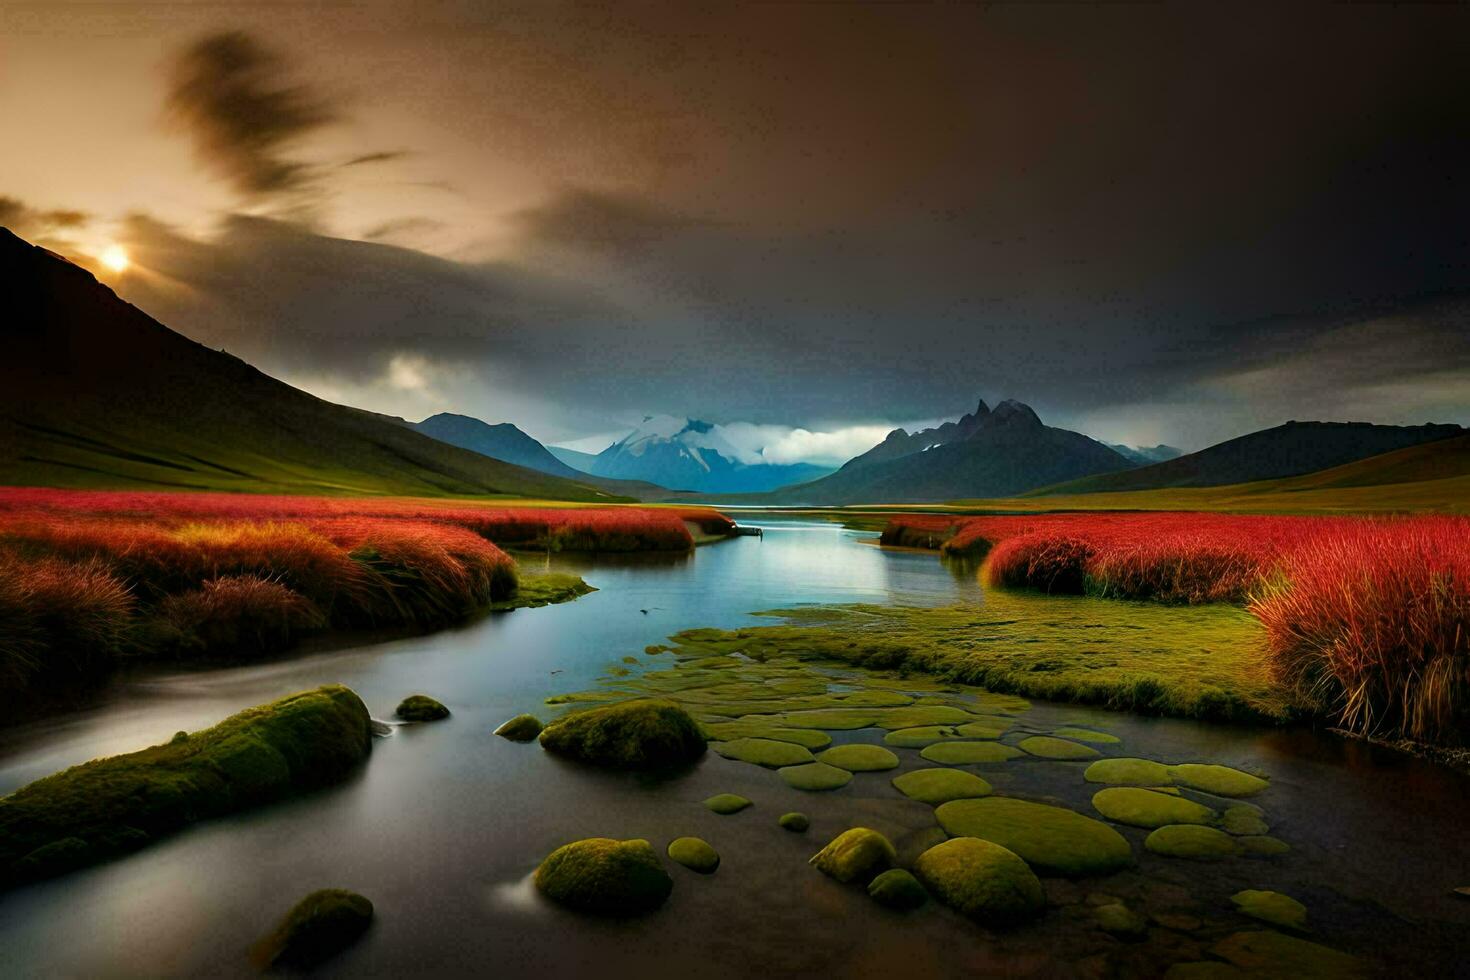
115, 258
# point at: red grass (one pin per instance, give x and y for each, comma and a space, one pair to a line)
237, 614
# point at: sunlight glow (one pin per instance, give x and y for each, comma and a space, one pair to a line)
115, 258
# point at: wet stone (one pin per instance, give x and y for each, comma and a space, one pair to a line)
1047, 747
815, 777
1193, 842
727, 803
1051, 839
859, 757
795, 822
695, 854
855, 855
982, 880
969, 753
897, 889
1273, 907
1146, 808
763, 752
937, 786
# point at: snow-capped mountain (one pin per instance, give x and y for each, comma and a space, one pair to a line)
687, 454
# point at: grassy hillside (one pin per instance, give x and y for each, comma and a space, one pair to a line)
95, 393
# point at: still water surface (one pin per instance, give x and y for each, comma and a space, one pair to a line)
443, 826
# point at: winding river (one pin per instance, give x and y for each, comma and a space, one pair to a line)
443, 826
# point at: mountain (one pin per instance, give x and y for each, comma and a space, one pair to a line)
96, 393
577, 460
1144, 455
502, 441
687, 454
985, 454
1292, 449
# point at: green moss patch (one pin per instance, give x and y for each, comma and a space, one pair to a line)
919, 716
1259, 845
727, 731
1047, 747
982, 880
855, 855
521, 728
1146, 808
317, 928
695, 854
897, 889
1049, 838
1087, 735
1219, 780
815, 777
420, 707
545, 589
832, 719
858, 757
1128, 772
969, 753
982, 728
936, 786
1117, 919
874, 699
605, 877
1272, 954
797, 823
641, 734
727, 803
111, 806
917, 738
763, 752
1193, 842
1273, 907
1243, 821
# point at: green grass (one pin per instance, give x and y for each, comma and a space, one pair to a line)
544, 589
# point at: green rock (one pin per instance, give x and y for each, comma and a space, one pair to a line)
815, 776
936, 786
1087, 735
875, 699
832, 719
605, 877
1049, 838
982, 729
727, 803
1219, 780
1191, 841
897, 889
922, 716
981, 880
1119, 920
917, 738
1273, 907
855, 855
695, 854
113, 806
1272, 954
1243, 821
795, 822
641, 734
420, 707
317, 928
969, 753
521, 728
811, 739
1262, 846
1145, 808
1046, 747
859, 758
1128, 772
763, 752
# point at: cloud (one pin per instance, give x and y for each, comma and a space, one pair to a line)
225, 90
385, 156
786, 444
39, 223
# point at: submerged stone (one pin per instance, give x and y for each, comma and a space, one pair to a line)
858, 757
1266, 953
1219, 780
317, 928
897, 889
727, 803
1049, 838
1146, 808
1192, 841
936, 786
1128, 772
1117, 919
969, 753
763, 752
695, 854
605, 877
521, 728
795, 822
420, 707
1243, 821
1263, 846
815, 776
1087, 735
855, 855
982, 880
1273, 907
641, 734
1047, 747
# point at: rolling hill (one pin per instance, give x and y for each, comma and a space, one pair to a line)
95, 393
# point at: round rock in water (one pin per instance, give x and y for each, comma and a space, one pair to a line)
815, 777
1219, 780
1049, 838
1087, 735
858, 757
897, 889
1145, 808
1193, 842
855, 855
420, 707
521, 728
936, 786
763, 752
1117, 919
797, 823
1243, 821
1047, 747
727, 803
317, 928
695, 854
981, 880
605, 877
1128, 772
1273, 907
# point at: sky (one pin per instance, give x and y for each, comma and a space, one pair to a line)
811, 221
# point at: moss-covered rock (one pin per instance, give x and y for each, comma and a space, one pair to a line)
969, 753
981, 880
763, 752
695, 854
1243, 821
936, 786
1146, 808
641, 734
1117, 919
810, 739
921, 716
982, 728
1128, 772
727, 803
855, 855
1193, 842
1219, 780
875, 699
1049, 838
1273, 907
420, 707
857, 757
521, 728
897, 889
832, 719
1087, 735
1263, 846
815, 777
317, 928
111, 806
917, 738
1271, 954
795, 822
1047, 747
605, 877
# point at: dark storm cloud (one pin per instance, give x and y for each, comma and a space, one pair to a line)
226, 90
38, 223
